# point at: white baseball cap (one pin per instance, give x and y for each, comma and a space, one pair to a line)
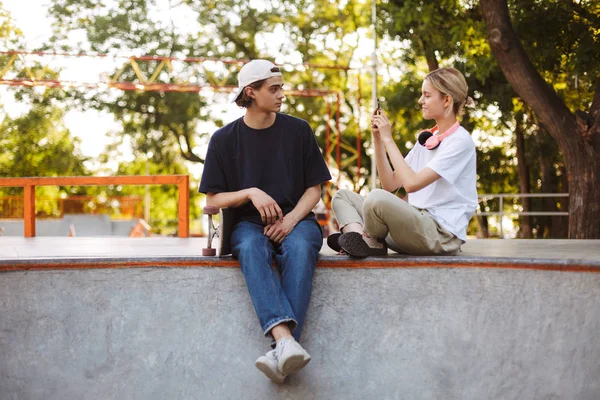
254, 71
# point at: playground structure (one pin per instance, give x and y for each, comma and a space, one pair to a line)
194, 75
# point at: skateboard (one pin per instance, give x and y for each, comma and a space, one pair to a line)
222, 231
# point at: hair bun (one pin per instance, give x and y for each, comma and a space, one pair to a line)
469, 102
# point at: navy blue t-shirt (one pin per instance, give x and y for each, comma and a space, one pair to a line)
283, 161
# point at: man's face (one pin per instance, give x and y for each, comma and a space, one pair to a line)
270, 95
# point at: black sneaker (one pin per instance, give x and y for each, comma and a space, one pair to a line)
333, 242
354, 244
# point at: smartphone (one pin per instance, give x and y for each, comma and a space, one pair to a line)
378, 109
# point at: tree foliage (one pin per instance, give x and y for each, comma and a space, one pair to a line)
560, 37
529, 65
303, 31
35, 143
453, 33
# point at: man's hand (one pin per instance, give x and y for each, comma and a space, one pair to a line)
280, 229
269, 210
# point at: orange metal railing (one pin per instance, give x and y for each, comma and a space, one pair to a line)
127, 207
29, 184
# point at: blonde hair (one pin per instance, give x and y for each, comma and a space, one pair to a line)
451, 82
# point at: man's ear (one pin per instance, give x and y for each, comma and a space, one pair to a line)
249, 91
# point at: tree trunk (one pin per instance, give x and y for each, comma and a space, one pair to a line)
577, 136
553, 227
560, 223
523, 171
432, 61
549, 185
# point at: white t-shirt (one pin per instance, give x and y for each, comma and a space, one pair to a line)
452, 199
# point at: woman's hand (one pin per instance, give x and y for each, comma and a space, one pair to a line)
382, 125
374, 129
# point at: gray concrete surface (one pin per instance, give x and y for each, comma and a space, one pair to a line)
85, 225
20, 248
191, 333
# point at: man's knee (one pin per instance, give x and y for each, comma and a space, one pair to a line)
304, 241
303, 248
251, 245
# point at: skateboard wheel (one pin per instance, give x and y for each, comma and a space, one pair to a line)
209, 252
210, 210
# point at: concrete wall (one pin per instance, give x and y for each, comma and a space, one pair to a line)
85, 225
191, 333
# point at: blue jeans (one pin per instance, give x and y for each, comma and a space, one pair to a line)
278, 300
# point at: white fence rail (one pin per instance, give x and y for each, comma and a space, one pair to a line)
501, 212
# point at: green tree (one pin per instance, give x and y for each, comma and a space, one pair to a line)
38, 144
315, 31
156, 122
9, 33
35, 143
564, 47
453, 33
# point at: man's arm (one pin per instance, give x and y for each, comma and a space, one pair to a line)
228, 199
307, 202
267, 207
280, 229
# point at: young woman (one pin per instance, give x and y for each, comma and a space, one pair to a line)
438, 174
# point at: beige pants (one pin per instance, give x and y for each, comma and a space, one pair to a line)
406, 229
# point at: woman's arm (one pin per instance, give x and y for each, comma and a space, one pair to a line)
403, 174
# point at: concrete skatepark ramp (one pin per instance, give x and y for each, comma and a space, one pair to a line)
390, 328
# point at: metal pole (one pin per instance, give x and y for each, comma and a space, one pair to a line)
374, 91
501, 216
147, 195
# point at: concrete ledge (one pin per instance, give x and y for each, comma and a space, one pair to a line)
377, 333
391, 261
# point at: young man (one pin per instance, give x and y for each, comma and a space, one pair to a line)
268, 168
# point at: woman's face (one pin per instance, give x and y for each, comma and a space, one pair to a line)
433, 102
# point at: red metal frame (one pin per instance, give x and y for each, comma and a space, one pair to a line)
142, 83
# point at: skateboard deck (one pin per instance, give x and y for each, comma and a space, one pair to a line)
221, 231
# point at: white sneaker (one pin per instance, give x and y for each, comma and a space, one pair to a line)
291, 357
267, 364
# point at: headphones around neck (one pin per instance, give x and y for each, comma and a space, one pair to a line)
431, 141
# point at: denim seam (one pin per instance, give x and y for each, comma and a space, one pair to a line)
272, 281
276, 321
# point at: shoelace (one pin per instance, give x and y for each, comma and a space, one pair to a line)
280, 347
273, 354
